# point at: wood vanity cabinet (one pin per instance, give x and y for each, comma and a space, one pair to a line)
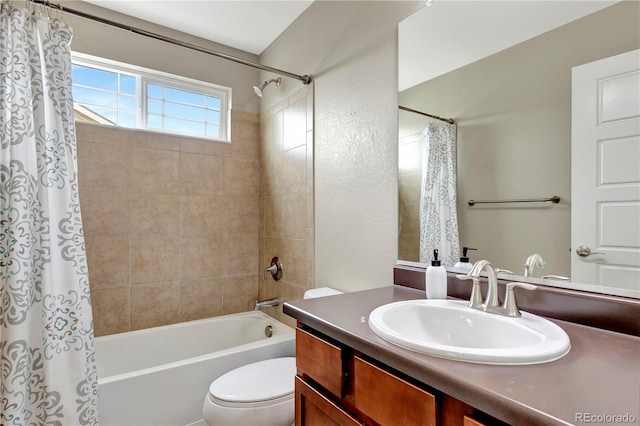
336, 385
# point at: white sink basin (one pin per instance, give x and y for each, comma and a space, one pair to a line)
450, 329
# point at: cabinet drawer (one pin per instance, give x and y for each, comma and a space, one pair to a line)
468, 421
313, 408
321, 361
404, 403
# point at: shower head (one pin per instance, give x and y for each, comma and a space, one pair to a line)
259, 89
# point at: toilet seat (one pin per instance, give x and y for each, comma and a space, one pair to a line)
259, 384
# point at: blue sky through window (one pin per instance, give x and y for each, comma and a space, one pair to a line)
105, 94
110, 96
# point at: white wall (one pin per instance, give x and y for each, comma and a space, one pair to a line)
350, 48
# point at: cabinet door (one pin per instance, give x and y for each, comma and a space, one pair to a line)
457, 413
468, 421
321, 361
389, 400
314, 409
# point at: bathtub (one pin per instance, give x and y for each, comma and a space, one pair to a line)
160, 376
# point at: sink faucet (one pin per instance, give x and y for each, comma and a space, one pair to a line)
535, 260
492, 303
492, 300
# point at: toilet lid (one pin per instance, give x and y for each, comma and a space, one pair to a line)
259, 381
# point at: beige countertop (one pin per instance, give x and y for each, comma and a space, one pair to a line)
598, 379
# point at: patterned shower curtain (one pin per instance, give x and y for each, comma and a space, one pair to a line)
438, 210
47, 362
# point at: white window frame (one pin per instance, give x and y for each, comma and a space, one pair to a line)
145, 75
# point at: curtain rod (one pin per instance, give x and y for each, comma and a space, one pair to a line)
448, 120
305, 79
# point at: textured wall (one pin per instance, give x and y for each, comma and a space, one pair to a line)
351, 50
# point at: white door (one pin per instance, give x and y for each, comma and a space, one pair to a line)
605, 172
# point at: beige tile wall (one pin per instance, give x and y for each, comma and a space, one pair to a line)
286, 198
171, 224
409, 178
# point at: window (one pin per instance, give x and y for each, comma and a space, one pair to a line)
111, 93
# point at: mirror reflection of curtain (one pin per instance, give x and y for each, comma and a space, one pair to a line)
47, 347
438, 211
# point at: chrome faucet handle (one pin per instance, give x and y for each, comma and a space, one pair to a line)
555, 277
475, 301
510, 307
273, 269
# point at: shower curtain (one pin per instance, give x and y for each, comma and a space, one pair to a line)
47, 365
438, 211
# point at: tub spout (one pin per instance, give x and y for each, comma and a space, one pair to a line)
266, 303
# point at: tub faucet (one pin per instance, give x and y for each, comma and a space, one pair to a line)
266, 303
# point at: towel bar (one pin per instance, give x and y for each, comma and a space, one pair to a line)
555, 200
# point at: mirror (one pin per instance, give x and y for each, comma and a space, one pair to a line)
502, 70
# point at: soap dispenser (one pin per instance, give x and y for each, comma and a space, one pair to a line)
436, 279
464, 260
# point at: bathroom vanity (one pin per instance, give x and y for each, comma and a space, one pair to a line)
347, 375
336, 383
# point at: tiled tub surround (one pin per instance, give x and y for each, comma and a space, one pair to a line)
409, 179
286, 198
171, 224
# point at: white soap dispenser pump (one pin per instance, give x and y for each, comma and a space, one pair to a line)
436, 279
464, 260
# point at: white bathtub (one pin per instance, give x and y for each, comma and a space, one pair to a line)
160, 376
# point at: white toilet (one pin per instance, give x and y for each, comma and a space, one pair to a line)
259, 394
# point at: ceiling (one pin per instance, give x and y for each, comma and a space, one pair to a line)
437, 39
450, 33
249, 25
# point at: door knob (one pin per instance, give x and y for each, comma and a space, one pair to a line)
584, 251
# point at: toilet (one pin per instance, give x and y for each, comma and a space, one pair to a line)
260, 393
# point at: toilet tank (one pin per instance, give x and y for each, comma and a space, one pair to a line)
320, 292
